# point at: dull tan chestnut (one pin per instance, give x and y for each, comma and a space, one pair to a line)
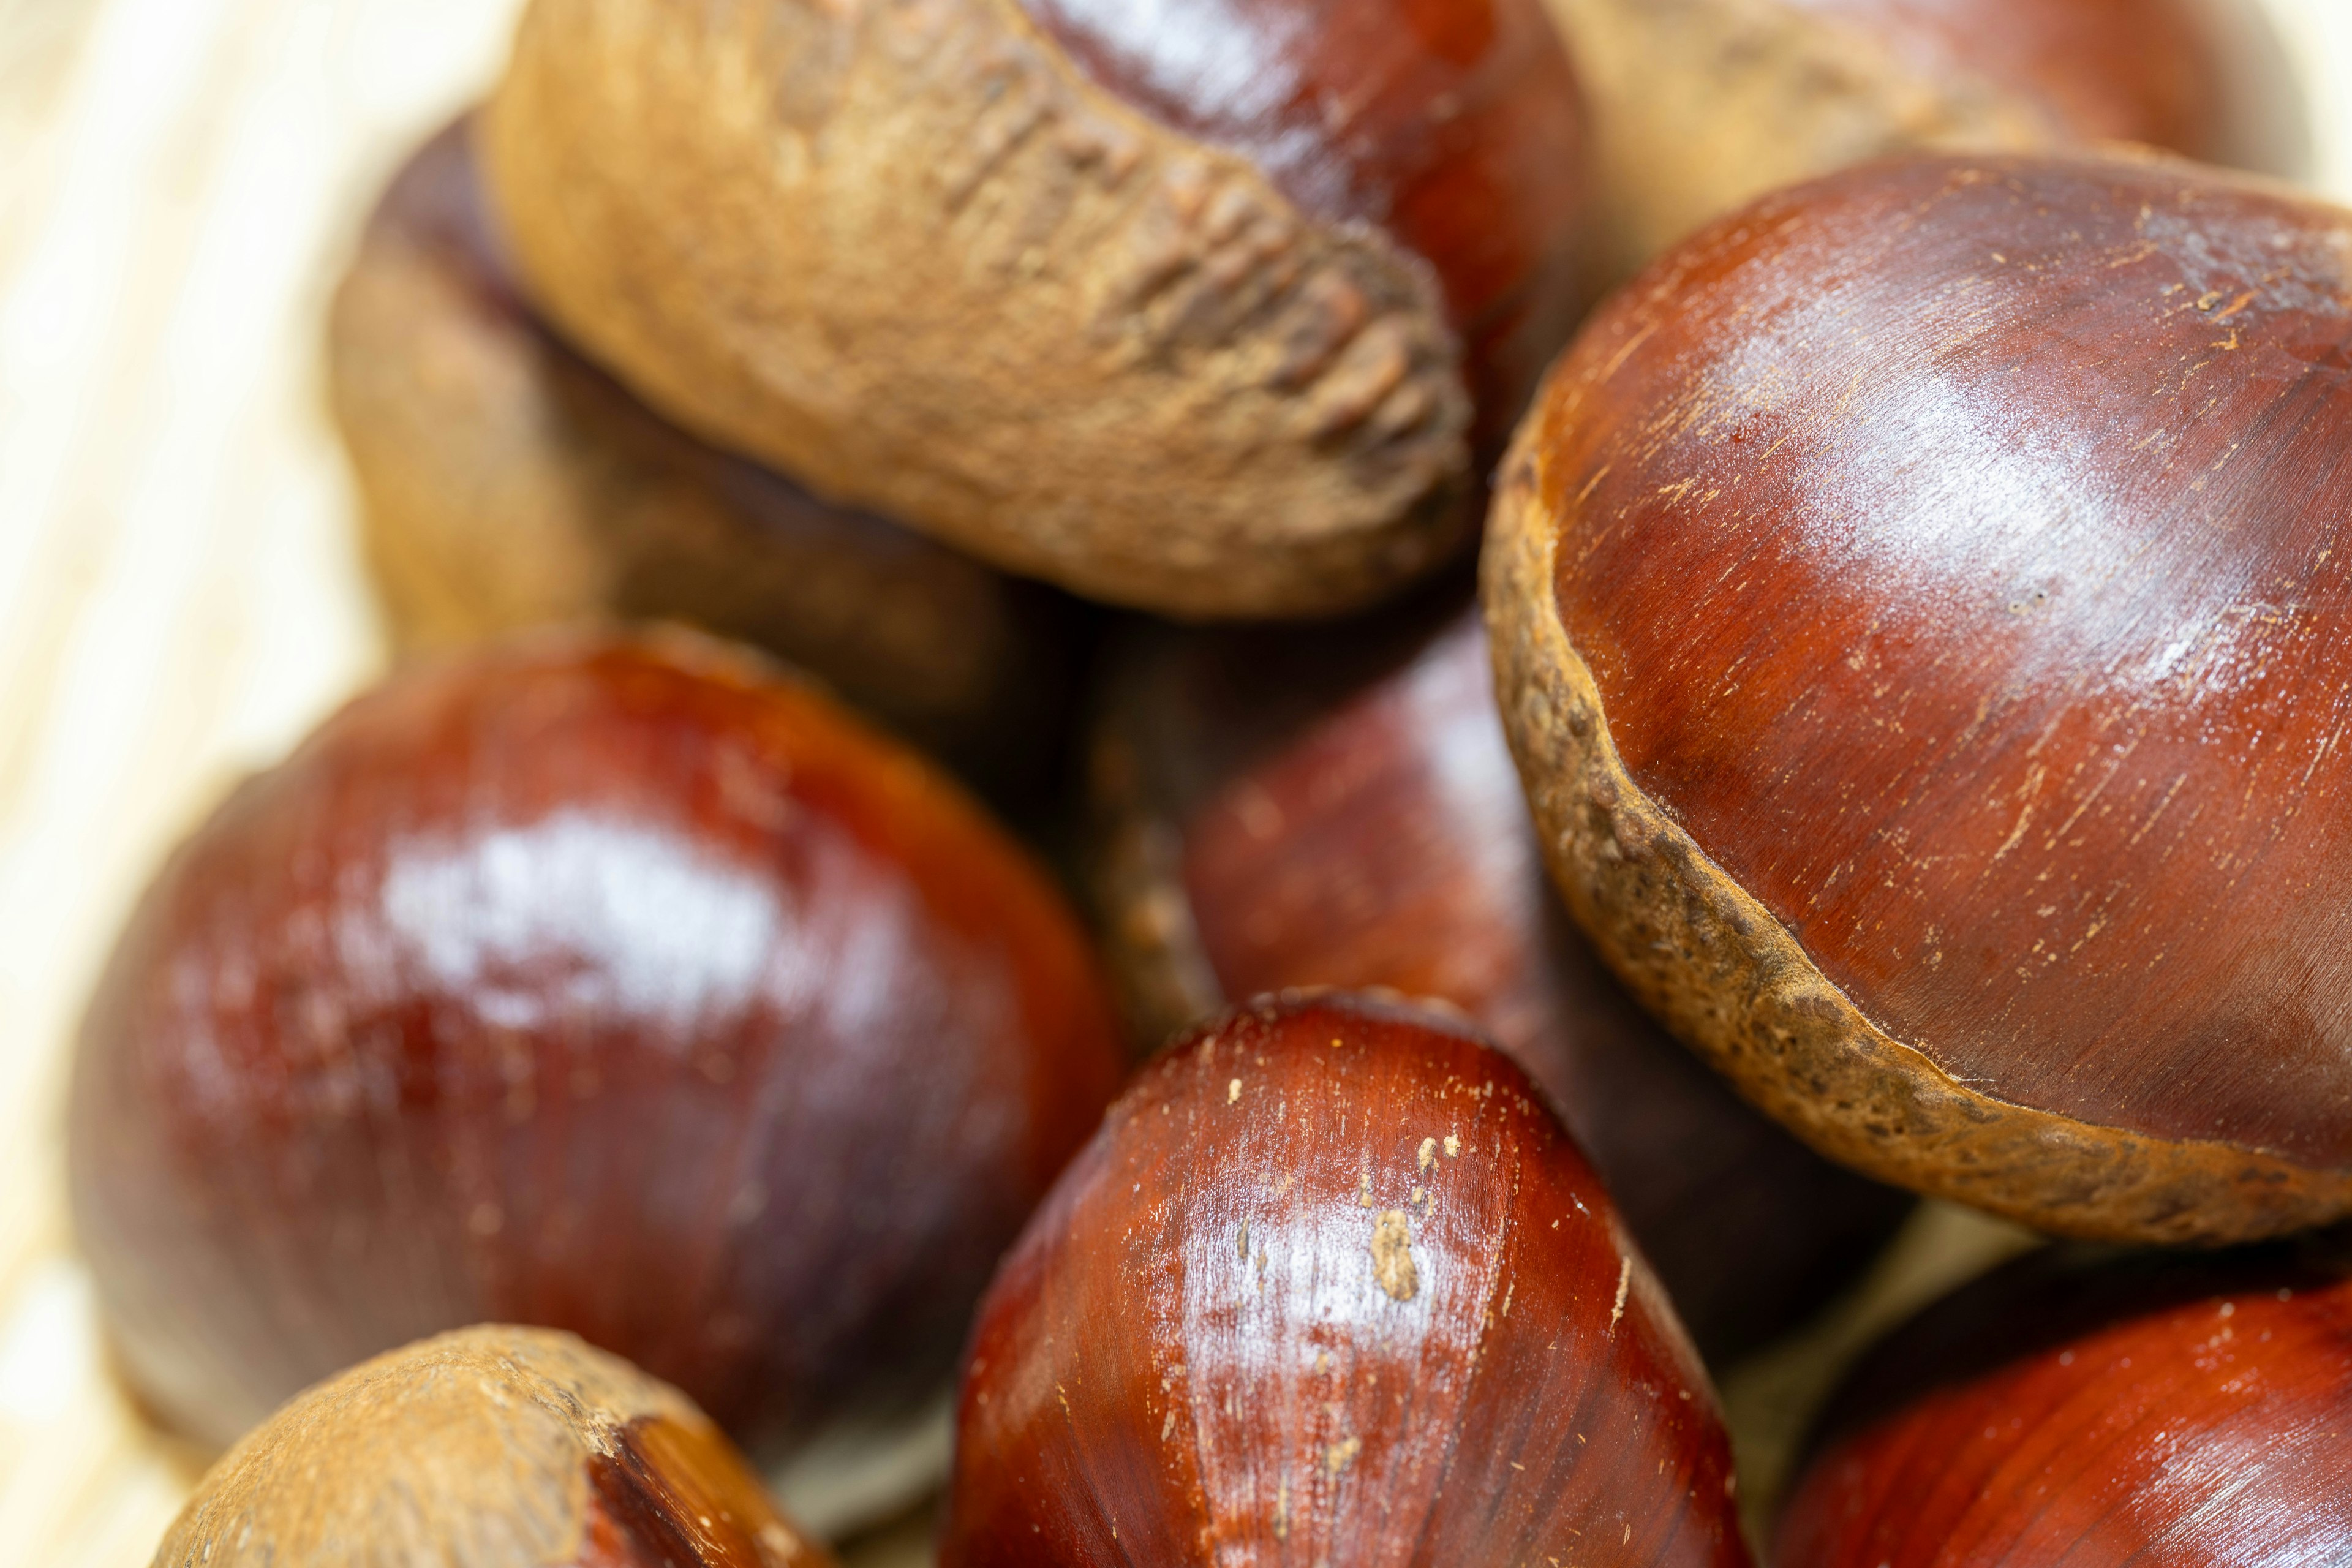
615, 983
1281, 807
487, 1447
1701, 105
1918, 608
1215, 309
1332, 1285
508, 483
2100, 1412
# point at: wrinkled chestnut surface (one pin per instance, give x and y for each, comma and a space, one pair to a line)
1331, 1285
2092, 1410
487, 1447
1457, 125
617, 985
1954, 552
510, 483
1219, 311
1337, 807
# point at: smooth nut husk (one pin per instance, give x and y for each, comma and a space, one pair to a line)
1332, 1285
1837, 510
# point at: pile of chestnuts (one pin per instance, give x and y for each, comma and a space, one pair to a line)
1210, 782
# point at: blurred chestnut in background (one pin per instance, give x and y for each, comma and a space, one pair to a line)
1337, 806
1701, 105
2082, 1408
1332, 1285
618, 985
510, 483
488, 1448
1918, 603
1210, 309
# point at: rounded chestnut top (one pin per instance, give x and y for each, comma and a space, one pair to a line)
1331, 1285
2097, 1412
1335, 805
619, 986
1218, 309
487, 1447
1921, 593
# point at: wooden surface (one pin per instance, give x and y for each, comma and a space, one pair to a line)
179, 599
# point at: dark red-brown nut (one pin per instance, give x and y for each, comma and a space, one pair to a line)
1918, 606
508, 483
1281, 809
1209, 308
1700, 105
1332, 1285
617, 985
488, 1448
2098, 1412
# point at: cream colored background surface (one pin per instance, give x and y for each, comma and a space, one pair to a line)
179, 599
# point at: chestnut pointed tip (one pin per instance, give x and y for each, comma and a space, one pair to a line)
1331, 1280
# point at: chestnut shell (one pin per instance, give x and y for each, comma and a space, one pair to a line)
1701, 106
1337, 807
1917, 602
1332, 1285
620, 985
2084, 1408
487, 1447
1455, 125
508, 482
1022, 277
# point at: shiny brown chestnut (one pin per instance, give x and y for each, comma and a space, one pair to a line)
1337, 807
616, 985
508, 483
487, 1447
2097, 1412
1332, 1285
1918, 607
1699, 106
1217, 307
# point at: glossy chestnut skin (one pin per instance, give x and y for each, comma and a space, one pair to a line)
1914, 604
2090, 1410
487, 1447
1337, 807
621, 986
510, 483
1332, 1285
1701, 106
1215, 309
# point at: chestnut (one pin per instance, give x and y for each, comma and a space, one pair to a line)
1915, 607
2097, 1411
1209, 309
508, 483
1698, 106
1332, 1285
1287, 808
617, 985
487, 1447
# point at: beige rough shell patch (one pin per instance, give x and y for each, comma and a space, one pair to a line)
1392, 1255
